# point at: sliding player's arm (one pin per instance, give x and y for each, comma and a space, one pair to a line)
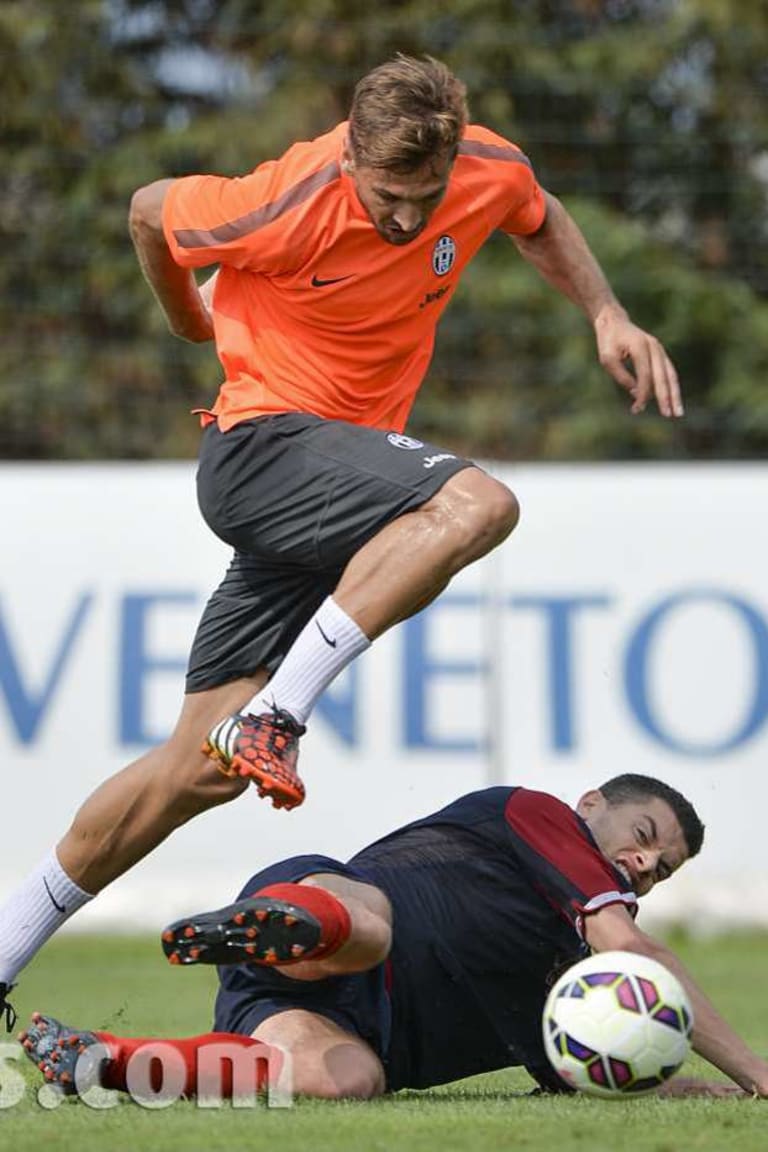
612, 928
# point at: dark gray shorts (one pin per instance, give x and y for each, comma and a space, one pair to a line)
296, 497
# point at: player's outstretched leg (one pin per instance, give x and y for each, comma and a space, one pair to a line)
256, 930
56, 1049
263, 748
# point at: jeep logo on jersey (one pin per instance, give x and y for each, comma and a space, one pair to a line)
443, 255
397, 440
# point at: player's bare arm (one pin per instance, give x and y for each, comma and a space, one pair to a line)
185, 309
713, 1038
634, 358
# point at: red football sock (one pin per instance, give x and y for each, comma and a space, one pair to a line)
335, 922
207, 1072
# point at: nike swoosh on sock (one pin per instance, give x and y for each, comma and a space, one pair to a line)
54, 901
329, 642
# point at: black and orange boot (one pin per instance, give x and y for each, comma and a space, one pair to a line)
262, 748
256, 930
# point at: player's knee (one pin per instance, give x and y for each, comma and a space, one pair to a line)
373, 921
481, 508
494, 512
502, 510
379, 940
372, 945
331, 1082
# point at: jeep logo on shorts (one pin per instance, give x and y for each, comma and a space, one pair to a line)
430, 461
443, 255
397, 440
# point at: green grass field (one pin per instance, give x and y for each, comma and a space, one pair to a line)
124, 985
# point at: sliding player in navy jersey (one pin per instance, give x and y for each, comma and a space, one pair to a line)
427, 957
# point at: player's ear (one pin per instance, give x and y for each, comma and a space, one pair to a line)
347, 161
590, 803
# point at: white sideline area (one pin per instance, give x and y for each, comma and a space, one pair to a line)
623, 627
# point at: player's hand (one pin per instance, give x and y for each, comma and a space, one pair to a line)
637, 361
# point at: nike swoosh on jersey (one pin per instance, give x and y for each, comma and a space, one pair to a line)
318, 283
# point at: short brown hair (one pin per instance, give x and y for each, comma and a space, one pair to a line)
405, 112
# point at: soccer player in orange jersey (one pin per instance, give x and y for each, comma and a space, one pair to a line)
334, 265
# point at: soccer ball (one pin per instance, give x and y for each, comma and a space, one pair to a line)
617, 1024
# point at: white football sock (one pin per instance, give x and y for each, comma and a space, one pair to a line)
31, 914
326, 645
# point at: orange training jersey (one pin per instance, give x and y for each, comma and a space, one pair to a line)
313, 310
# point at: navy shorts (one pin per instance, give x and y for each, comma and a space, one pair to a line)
296, 497
249, 994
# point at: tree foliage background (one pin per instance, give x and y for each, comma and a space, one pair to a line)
648, 117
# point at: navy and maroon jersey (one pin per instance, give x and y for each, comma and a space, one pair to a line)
489, 897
